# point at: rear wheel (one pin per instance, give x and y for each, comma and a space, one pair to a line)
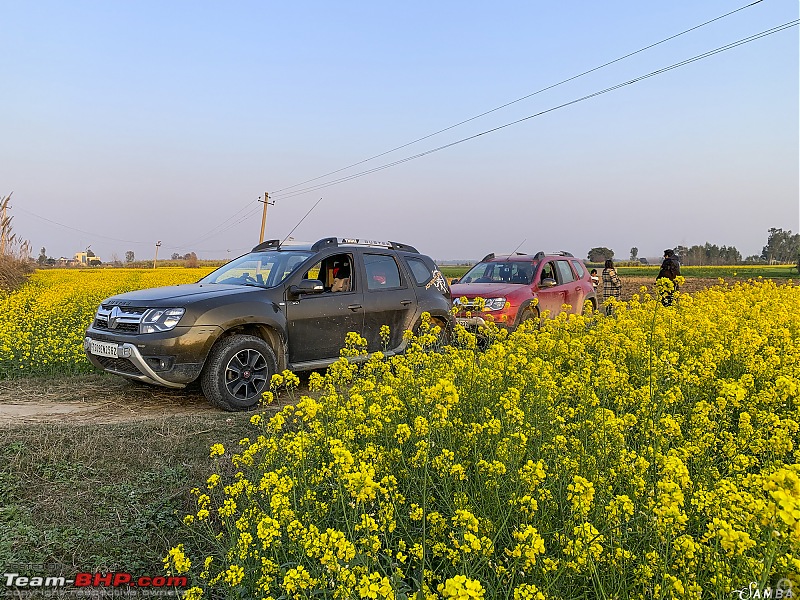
445, 336
237, 372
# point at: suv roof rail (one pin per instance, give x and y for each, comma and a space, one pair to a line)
540, 255
403, 247
325, 242
332, 241
267, 244
492, 255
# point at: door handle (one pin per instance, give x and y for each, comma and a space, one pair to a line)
354, 307
406, 302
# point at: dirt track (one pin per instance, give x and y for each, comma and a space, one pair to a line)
93, 398
102, 399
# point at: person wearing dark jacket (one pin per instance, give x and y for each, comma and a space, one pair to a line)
670, 269
612, 286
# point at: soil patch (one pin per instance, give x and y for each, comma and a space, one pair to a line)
94, 398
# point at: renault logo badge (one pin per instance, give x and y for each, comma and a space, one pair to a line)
113, 317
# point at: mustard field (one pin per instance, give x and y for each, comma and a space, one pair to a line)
42, 324
651, 454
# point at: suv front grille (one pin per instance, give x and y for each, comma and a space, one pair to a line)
121, 319
470, 304
121, 365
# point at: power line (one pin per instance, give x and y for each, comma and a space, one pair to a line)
544, 89
212, 233
729, 46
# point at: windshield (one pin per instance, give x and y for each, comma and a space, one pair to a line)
262, 269
500, 272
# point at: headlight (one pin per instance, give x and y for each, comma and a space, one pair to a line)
156, 320
495, 303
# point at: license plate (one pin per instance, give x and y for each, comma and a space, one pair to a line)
103, 349
463, 322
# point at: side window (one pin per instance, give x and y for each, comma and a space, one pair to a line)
382, 272
548, 272
579, 268
564, 272
422, 273
334, 272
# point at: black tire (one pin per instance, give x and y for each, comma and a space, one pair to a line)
445, 331
238, 370
530, 314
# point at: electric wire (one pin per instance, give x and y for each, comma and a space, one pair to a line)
221, 226
707, 54
507, 104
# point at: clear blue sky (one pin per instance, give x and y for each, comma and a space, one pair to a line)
144, 121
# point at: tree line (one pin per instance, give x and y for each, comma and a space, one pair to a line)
782, 247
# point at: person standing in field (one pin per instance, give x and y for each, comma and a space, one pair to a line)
595, 279
612, 285
670, 269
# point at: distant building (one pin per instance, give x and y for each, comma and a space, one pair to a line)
87, 258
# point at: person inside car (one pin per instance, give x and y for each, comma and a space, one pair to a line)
341, 278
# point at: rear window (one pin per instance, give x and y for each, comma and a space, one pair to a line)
422, 273
382, 272
579, 269
564, 272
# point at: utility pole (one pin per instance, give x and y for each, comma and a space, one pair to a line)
158, 243
266, 202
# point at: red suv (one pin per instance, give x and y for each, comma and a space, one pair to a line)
508, 285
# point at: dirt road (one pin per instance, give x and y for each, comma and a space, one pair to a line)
93, 398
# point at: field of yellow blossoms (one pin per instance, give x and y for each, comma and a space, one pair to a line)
42, 324
650, 454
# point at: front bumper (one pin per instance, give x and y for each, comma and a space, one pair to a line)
172, 359
472, 323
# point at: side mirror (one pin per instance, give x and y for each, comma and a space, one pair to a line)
307, 286
454, 281
548, 282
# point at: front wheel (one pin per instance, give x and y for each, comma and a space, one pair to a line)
530, 314
237, 372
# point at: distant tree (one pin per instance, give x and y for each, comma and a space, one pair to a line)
634, 253
129, 256
710, 254
42, 260
176, 256
781, 246
191, 259
600, 254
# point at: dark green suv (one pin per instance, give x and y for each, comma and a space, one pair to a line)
283, 305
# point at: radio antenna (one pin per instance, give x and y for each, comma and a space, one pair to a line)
300, 221
517, 248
